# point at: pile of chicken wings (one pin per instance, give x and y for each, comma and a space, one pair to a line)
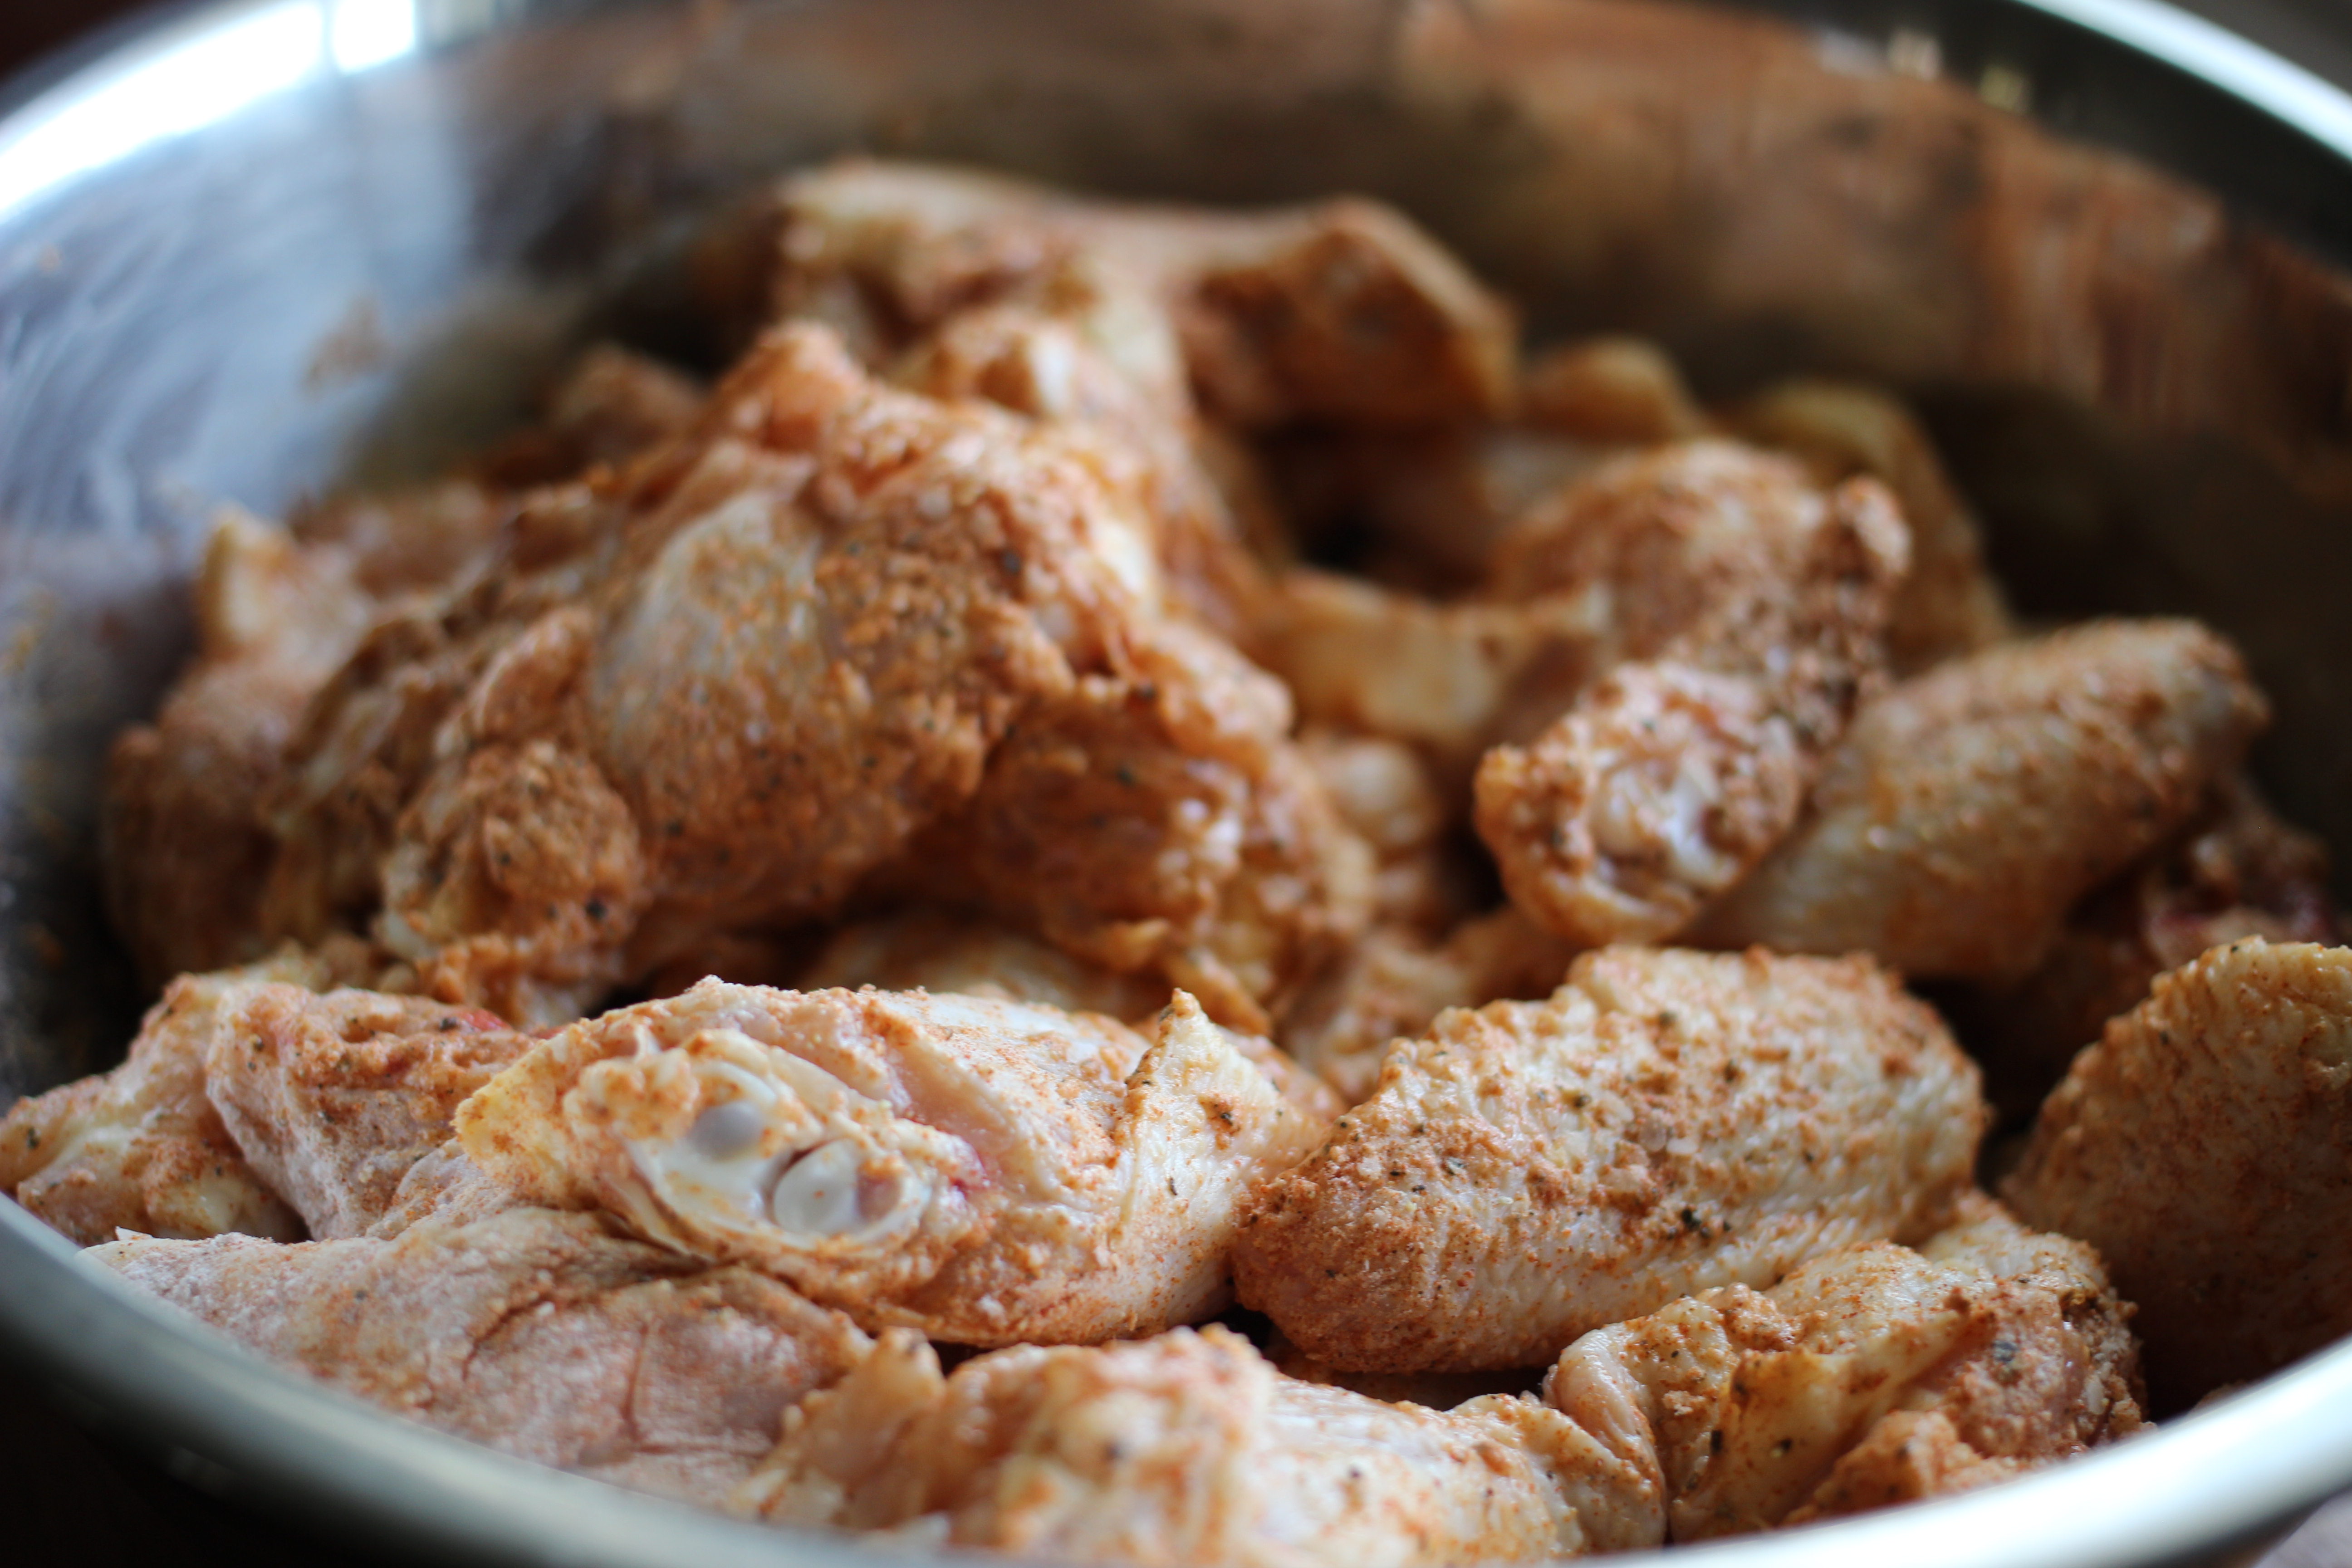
1138, 897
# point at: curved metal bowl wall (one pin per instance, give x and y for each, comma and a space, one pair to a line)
248, 250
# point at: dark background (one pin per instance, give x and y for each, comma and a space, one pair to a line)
70, 1497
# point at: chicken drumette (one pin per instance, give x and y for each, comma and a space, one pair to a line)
839, 635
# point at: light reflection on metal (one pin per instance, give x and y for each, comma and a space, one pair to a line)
365, 33
185, 82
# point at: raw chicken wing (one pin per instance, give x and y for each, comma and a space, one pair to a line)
1747, 607
534, 1332
1949, 603
752, 678
141, 1147
1342, 312
332, 1099
1184, 1449
2200, 1147
1668, 1122
984, 1171
1870, 1375
1972, 806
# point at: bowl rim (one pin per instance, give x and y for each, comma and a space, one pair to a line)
223, 1418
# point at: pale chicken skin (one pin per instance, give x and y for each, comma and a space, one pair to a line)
1970, 806
962, 956
332, 1099
254, 1101
2199, 1147
750, 679
539, 1333
141, 1147
984, 1171
1869, 1376
1185, 1448
1666, 1123
1748, 609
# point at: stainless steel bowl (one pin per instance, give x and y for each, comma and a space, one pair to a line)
251, 247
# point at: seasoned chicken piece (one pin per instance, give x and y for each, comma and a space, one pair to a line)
2199, 1147
1179, 836
612, 405
185, 848
1342, 312
2235, 872
1747, 608
332, 1099
751, 676
141, 1147
984, 1171
1668, 1122
1949, 603
1972, 806
1184, 1449
1871, 1375
1448, 678
1434, 506
1090, 352
535, 1332
1111, 317
928, 951
1397, 981
1423, 876
935, 953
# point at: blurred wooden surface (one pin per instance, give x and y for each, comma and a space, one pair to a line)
67, 1498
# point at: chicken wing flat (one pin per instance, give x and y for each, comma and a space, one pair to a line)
1749, 607
1871, 1375
765, 664
537, 1334
1949, 603
984, 1171
333, 1098
1186, 1448
2199, 1147
1972, 806
141, 1147
1668, 1122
